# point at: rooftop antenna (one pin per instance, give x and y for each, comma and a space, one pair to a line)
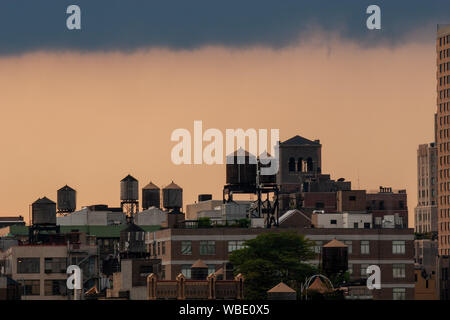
357, 174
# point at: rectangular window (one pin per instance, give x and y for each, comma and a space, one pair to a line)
398, 270
365, 247
186, 270
355, 225
163, 272
207, 247
363, 271
399, 293
378, 221
398, 247
350, 269
31, 287
163, 247
333, 221
318, 246
28, 265
349, 244
55, 287
186, 247
55, 265
366, 225
211, 268
235, 245
352, 198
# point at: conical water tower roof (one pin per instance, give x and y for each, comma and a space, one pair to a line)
129, 178
240, 152
66, 188
44, 200
172, 185
319, 286
335, 244
151, 186
281, 287
199, 264
242, 155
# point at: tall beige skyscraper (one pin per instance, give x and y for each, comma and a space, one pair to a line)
425, 214
443, 135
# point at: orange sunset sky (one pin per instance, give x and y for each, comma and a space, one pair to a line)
89, 119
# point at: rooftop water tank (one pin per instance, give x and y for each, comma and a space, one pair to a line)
151, 196
241, 168
269, 163
43, 212
129, 189
334, 258
172, 196
66, 199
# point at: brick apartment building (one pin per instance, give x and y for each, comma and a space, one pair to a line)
391, 249
387, 202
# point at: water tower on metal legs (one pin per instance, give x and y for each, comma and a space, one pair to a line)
129, 196
67, 202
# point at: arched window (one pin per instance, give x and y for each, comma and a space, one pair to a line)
291, 164
300, 165
309, 165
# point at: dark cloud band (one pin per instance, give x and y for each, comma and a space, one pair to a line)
28, 25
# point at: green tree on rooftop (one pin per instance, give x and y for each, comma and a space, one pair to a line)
272, 258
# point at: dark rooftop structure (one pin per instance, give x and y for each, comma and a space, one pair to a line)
44, 200
151, 186
112, 231
66, 187
298, 140
11, 221
129, 178
103, 207
172, 185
